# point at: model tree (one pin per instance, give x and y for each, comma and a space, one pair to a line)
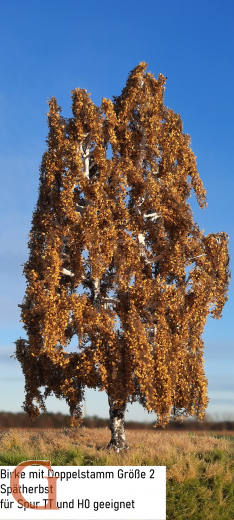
117, 260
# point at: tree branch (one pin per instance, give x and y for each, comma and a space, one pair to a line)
86, 261
86, 157
155, 259
109, 300
66, 272
64, 256
80, 209
204, 254
153, 216
93, 164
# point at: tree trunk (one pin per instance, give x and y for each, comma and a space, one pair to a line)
118, 441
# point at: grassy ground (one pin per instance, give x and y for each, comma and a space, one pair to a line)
200, 468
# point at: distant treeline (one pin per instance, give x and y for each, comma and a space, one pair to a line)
58, 420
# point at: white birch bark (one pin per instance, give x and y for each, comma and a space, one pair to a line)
117, 415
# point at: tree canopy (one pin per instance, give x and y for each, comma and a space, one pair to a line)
117, 260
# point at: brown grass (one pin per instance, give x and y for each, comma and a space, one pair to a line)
199, 468
180, 452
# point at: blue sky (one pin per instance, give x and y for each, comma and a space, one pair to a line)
50, 47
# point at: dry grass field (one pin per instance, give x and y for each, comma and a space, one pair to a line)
152, 446
200, 467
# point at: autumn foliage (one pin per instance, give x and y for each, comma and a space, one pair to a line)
117, 259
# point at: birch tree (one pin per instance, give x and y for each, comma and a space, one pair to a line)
117, 261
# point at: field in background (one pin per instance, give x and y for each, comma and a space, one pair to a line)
51, 420
200, 468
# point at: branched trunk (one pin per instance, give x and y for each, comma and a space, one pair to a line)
95, 291
118, 441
